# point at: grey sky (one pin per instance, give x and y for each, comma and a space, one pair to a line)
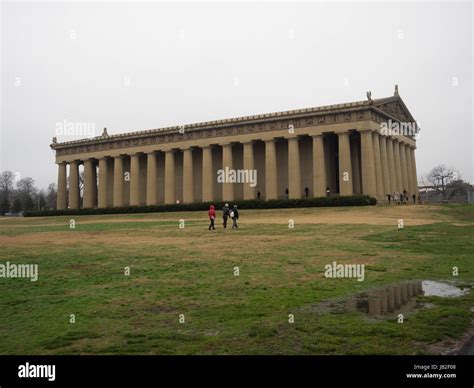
134, 66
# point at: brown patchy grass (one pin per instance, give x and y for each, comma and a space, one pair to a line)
191, 270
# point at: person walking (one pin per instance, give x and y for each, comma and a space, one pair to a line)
235, 216
212, 217
225, 215
389, 197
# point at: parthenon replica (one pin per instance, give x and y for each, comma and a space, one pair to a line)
295, 153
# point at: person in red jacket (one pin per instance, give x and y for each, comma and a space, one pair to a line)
212, 216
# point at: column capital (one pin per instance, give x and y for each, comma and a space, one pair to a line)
343, 133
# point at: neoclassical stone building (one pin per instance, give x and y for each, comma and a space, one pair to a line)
295, 153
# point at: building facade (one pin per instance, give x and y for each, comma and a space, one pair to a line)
298, 153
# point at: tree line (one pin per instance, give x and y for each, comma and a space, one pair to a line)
19, 195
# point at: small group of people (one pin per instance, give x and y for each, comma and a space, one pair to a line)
401, 198
226, 214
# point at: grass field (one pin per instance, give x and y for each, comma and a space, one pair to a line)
190, 271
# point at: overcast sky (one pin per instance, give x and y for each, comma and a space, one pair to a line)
139, 66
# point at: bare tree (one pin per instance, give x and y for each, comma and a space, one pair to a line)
26, 192
51, 196
440, 177
6, 184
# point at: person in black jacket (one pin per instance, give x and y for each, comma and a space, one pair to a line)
225, 214
235, 216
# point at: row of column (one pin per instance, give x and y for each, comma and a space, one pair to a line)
389, 166
386, 166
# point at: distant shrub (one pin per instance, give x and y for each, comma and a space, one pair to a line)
354, 200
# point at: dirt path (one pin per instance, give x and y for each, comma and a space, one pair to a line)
370, 215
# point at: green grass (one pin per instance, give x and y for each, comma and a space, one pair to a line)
190, 271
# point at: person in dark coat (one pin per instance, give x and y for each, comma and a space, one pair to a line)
225, 215
235, 216
212, 217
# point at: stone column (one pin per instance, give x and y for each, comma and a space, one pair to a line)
403, 166
207, 175
346, 183
398, 170
413, 164
227, 187
368, 166
374, 299
294, 172
151, 189
74, 184
409, 168
102, 182
383, 301
390, 299
355, 167
249, 165
391, 166
135, 180
385, 168
378, 165
118, 181
319, 167
270, 170
61, 198
188, 182
170, 191
89, 183
404, 292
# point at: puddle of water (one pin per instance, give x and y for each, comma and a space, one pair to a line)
445, 290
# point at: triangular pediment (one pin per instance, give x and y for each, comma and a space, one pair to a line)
394, 106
